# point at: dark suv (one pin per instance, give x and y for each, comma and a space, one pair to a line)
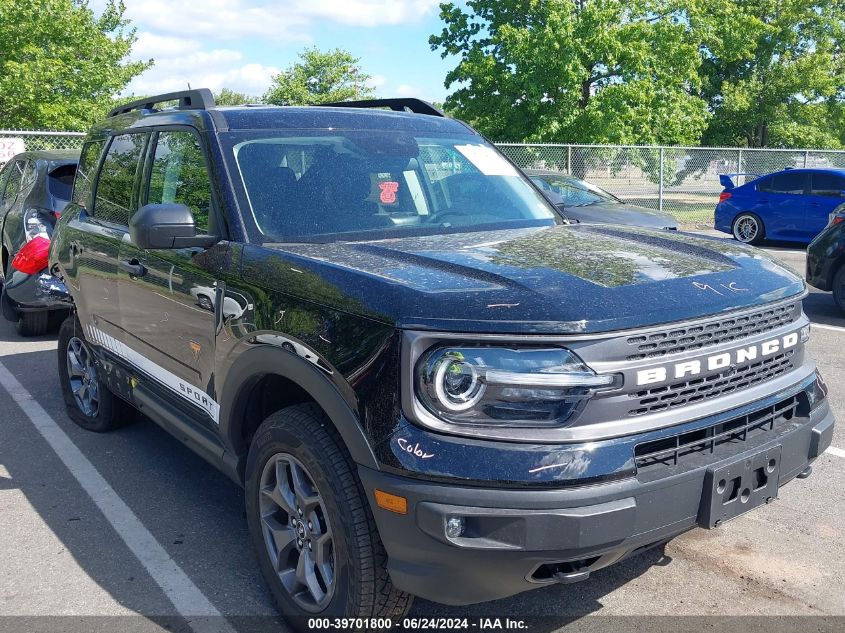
427, 382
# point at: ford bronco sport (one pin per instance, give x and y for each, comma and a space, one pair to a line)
427, 382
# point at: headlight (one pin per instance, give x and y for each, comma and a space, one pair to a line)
34, 225
495, 386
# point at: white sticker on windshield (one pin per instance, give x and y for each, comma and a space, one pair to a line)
487, 160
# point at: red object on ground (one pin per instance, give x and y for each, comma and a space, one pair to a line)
33, 257
724, 196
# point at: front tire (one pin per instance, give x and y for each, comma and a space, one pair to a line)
839, 288
314, 534
748, 228
88, 401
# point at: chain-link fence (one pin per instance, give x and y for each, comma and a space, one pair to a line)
15, 141
681, 181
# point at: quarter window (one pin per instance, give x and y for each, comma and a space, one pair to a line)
82, 183
179, 175
14, 182
829, 185
117, 178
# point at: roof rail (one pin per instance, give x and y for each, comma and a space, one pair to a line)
199, 99
417, 106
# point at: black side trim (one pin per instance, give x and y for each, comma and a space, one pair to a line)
265, 360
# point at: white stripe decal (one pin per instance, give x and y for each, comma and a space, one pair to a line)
187, 391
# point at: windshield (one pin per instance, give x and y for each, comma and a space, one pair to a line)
345, 185
574, 192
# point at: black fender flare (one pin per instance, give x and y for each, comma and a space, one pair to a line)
252, 364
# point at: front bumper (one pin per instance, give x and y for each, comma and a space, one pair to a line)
516, 539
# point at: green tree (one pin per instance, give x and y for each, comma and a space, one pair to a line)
60, 66
320, 77
227, 97
587, 71
773, 71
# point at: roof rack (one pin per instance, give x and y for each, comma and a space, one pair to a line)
199, 99
417, 106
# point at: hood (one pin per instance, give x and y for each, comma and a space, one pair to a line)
572, 278
620, 214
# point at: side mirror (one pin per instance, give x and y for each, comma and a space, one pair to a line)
166, 226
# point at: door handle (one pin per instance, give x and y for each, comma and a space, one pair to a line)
133, 267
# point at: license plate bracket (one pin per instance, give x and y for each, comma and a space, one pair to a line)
738, 487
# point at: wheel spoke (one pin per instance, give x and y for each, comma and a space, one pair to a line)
306, 498
322, 553
277, 497
284, 540
74, 366
306, 576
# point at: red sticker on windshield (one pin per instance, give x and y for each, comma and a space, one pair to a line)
388, 191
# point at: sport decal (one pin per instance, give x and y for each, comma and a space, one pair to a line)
187, 391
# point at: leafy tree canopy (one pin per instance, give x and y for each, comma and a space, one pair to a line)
227, 97
598, 71
320, 77
60, 65
773, 71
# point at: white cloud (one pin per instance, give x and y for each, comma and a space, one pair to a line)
206, 58
214, 69
151, 46
288, 20
377, 82
365, 12
404, 90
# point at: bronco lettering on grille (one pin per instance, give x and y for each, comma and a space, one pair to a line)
716, 361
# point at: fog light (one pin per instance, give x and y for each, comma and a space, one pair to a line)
455, 527
805, 333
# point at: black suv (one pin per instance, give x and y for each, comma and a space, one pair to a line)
427, 382
826, 258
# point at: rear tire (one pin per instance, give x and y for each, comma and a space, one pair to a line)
348, 578
748, 228
88, 401
839, 288
33, 323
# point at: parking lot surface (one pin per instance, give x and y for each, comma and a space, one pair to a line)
132, 522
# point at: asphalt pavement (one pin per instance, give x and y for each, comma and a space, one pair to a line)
132, 523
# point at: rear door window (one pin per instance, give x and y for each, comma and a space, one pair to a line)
794, 183
115, 185
828, 185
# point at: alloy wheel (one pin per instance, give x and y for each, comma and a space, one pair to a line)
296, 531
82, 375
747, 228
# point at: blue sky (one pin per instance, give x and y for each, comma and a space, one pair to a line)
240, 44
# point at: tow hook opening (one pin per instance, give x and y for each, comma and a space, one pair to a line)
564, 573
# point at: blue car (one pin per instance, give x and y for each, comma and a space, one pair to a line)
791, 205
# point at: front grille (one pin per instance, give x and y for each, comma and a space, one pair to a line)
718, 384
693, 337
713, 440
